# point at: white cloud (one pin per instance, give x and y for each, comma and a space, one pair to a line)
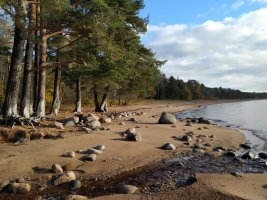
237, 4
228, 53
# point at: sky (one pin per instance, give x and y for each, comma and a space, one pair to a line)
220, 43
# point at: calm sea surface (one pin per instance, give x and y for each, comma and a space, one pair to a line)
250, 117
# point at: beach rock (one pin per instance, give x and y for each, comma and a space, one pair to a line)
188, 124
19, 188
133, 137
76, 119
229, 154
21, 136
220, 149
69, 167
94, 124
186, 138
167, 118
3, 184
122, 123
64, 178
249, 155
76, 197
128, 189
76, 184
201, 120
100, 147
91, 157
94, 151
245, 146
168, 146
70, 154
92, 117
56, 168
70, 124
57, 125
105, 120
262, 155
133, 120
130, 130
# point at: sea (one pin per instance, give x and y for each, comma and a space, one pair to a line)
249, 117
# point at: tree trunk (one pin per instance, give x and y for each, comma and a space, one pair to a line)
78, 108
26, 103
103, 105
36, 59
42, 76
15, 72
97, 106
56, 94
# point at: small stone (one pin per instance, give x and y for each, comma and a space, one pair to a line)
75, 184
56, 168
100, 147
229, 154
19, 188
249, 155
70, 154
128, 189
76, 197
130, 130
186, 138
116, 158
263, 155
91, 157
133, 137
168, 146
245, 146
64, 178
203, 121
188, 124
94, 151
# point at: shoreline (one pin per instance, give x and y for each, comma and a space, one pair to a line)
121, 156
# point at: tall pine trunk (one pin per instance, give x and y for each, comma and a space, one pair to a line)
104, 105
36, 59
16, 66
97, 106
56, 95
78, 108
26, 102
42, 76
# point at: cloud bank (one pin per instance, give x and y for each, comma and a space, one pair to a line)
231, 53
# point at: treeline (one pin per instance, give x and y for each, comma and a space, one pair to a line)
171, 88
60, 50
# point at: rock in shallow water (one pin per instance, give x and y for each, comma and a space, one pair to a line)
263, 155
249, 155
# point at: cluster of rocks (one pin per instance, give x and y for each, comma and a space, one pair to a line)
131, 135
92, 153
200, 120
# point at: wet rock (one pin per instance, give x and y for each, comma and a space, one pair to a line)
263, 155
70, 123
249, 155
133, 137
229, 154
76, 184
64, 178
91, 157
203, 121
94, 124
19, 188
56, 168
245, 146
70, 154
168, 146
128, 189
100, 147
76, 197
167, 118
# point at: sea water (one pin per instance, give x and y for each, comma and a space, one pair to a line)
250, 117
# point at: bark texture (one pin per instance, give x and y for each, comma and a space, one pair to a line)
16, 66
56, 95
78, 108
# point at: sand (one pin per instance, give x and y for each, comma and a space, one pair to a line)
17, 161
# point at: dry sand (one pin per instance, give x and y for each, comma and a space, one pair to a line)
17, 161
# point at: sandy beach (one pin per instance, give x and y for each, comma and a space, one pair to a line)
19, 161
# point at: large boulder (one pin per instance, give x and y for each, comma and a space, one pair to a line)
167, 118
64, 178
19, 188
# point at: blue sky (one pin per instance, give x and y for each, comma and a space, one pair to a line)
220, 43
